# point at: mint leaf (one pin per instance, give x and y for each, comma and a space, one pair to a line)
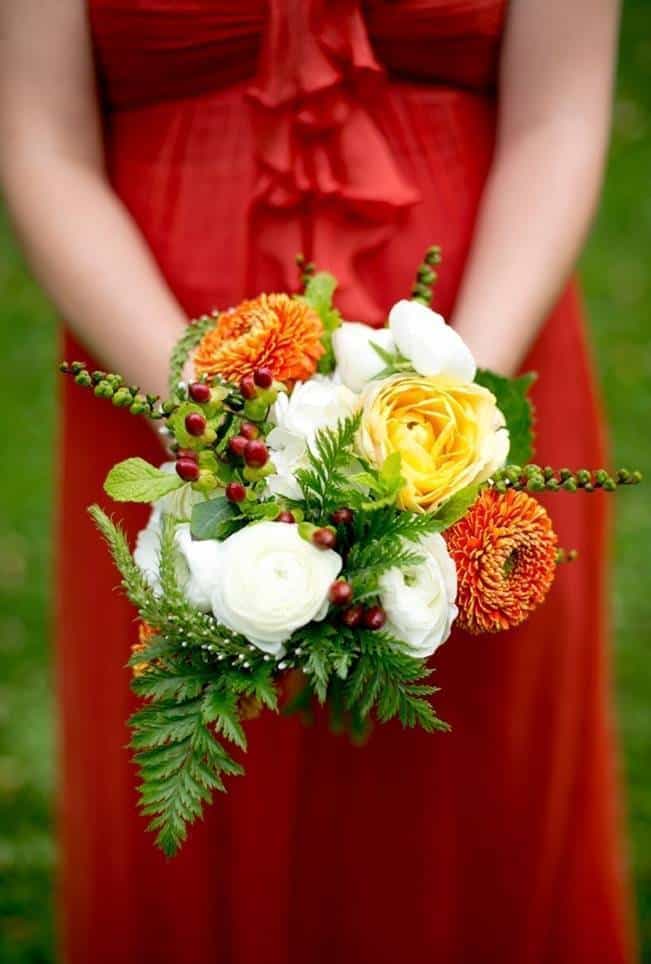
511, 396
215, 519
135, 480
456, 507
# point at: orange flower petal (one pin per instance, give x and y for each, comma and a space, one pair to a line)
271, 331
505, 553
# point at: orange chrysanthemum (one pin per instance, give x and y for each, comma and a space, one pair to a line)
505, 553
271, 331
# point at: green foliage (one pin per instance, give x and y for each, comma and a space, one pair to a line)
511, 396
324, 483
135, 480
133, 581
394, 361
185, 346
384, 484
383, 540
215, 519
319, 291
456, 507
386, 679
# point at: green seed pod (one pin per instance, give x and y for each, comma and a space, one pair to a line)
139, 405
104, 389
552, 485
636, 477
122, 398
256, 409
76, 367
609, 485
584, 477
83, 378
168, 406
570, 485
536, 484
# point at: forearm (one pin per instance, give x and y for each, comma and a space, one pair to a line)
534, 216
91, 259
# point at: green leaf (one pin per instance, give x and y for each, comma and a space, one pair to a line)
135, 480
215, 519
318, 294
456, 507
512, 400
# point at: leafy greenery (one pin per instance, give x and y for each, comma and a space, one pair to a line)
215, 519
324, 483
319, 292
135, 480
511, 396
185, 346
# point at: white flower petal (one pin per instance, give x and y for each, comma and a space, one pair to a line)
420, 602
357, 362
432, 346
271, 583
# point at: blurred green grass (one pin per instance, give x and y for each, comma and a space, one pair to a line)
617, 281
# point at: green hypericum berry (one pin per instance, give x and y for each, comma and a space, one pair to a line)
256, 409
168, 406
139, 405
583, 477
570, 485
104, 389
83, 378
609, 485
636, 477
122, 398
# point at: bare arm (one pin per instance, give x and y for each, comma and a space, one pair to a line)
82, 244
554, 119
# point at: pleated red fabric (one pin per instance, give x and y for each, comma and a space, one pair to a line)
239, 132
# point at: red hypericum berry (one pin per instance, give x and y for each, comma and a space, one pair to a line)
374, 617
237, 444
352, 616
340, 593
249, 430
285, 516
263, 377
187, 454
342, 517
195, 423
247, 386
187, 469
324, 539
236, 492
256, 453
199, 392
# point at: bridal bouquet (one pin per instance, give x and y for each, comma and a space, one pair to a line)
339, 498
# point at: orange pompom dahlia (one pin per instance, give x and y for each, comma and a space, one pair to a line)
271, 331
505, 553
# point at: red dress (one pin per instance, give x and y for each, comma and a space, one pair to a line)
239, 132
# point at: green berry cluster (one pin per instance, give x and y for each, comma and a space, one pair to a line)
536, 478
426, 276
111, 386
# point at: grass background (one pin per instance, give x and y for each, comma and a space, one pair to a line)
617, 279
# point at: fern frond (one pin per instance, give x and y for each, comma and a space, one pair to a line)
324, 481
185, 345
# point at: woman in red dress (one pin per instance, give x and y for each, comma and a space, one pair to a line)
222, 137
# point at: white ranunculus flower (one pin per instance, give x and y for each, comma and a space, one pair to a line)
271, 582
196, 561
318, 403
432, 346
357, 362
419, 602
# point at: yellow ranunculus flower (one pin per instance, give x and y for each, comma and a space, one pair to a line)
450, 434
